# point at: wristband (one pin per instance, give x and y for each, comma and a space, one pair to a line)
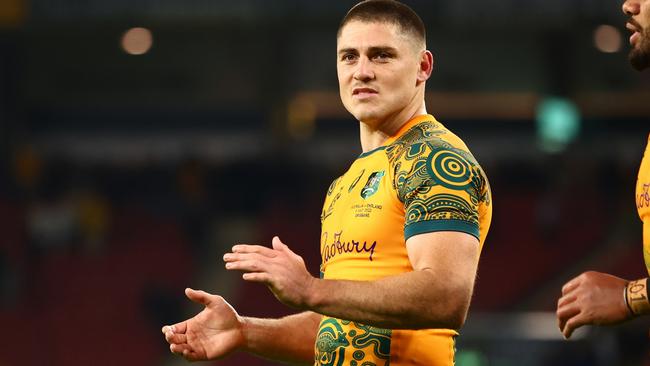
627, 303
636, 294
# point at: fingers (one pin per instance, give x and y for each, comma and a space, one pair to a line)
257, 277
565, 313
566, 308
258, 249
248, 265
239, 257
573, 324
186, 351
177, 342
200, 297
173, 334
178, 349
178, 345
276, 244
570, 286
569, 318
279, 245
176, 328
566, 300
175, 338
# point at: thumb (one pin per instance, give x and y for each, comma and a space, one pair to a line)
200, 297
279, 245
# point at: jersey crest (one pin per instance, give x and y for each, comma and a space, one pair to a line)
372, 185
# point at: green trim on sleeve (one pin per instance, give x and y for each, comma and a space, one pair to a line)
430, 226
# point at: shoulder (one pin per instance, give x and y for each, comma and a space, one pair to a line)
432, 144
427, 137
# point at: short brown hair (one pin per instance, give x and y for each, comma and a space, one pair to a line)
386, 11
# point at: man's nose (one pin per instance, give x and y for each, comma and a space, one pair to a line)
364, 70
631, 7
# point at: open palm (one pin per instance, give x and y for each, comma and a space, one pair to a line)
212, 334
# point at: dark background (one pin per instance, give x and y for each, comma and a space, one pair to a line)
124, 178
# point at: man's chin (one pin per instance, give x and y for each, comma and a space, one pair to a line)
640, 56
364, 115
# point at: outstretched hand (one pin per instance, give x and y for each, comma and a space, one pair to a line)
212, 334
593, 298
282, 270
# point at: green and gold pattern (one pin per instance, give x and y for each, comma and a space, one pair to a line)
331, 343
327, 211
439, 207
449, 169
341, 342
421, 161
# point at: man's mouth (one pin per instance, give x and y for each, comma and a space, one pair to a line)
635, 29
363, 92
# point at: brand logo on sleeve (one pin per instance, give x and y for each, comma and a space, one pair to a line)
372, 185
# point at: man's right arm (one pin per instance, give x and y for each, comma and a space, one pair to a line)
218, 331
290, 339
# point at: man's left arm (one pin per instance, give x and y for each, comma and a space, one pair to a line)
436, 294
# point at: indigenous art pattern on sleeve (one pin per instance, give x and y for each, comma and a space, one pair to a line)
437, 180
367, 345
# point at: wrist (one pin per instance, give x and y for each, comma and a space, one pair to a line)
636, 297
246, 325
312, 294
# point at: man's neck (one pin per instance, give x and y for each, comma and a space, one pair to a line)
374, 135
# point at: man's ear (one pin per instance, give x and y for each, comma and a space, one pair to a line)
426, 66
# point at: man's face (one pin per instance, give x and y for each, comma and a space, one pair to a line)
639, 25
377, 70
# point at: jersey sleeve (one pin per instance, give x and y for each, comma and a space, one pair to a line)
441, 188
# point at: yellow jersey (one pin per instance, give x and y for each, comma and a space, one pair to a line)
423, 179
643, 202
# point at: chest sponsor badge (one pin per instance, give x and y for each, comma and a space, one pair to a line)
372, 185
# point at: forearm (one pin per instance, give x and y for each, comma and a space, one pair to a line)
290, 339
413, 300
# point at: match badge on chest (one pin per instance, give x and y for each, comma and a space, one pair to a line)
372, 185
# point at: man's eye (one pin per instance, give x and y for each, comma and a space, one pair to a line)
348, 57
382, 56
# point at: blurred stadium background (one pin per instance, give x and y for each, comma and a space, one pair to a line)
141, 139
